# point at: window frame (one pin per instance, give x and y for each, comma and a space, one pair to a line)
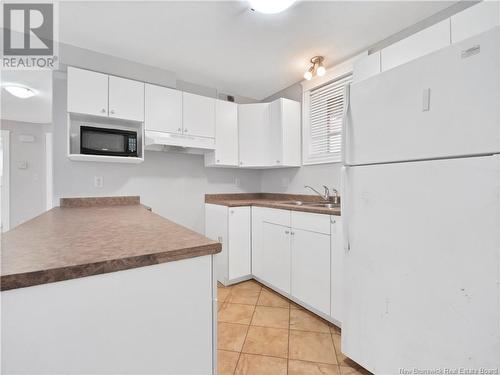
307, 157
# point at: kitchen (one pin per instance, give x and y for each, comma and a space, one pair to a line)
139, 153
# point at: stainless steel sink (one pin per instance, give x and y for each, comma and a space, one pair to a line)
312, 204
326, 205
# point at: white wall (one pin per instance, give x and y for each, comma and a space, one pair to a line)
27, 186
174, 185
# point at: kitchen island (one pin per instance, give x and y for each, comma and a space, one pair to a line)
104, 286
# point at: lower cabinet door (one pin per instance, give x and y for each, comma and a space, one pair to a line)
239, 242
311, 269
275, 256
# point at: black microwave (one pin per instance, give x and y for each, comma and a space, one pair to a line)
105, 141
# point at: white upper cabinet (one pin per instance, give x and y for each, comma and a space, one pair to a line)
475, 20
254, 135
284, 117
198, 115
419, 44
163, 112
269, 134
126, 99
87, 92
99, 94
226, 135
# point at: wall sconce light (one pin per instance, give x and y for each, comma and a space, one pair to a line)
317, 68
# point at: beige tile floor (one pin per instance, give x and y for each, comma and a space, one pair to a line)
263, 333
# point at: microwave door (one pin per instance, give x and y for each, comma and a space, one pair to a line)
107, 142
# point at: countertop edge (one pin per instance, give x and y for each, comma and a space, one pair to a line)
23, 280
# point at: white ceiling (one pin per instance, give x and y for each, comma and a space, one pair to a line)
225, 45
38, 108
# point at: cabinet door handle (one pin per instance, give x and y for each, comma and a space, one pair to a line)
287, 232
112, 111
185, 130
218, 160
277, 161
292, 233
232, 212
103, 110
179, 129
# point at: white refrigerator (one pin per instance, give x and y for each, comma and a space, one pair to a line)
421, 213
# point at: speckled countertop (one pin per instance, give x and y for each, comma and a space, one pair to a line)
92, 236
272, 200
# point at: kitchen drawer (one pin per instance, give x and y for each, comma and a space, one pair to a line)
319, 223
273, 216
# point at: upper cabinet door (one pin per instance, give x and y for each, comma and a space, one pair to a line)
87, 92
226, 130
255, 143
163, 112
126, 99
198, 115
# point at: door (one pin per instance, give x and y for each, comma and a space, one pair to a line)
4, 180
226, 131
423, 265
126, 99
239, 243
255, 143
198, 115
87, 92
163, 109
440, 105
311, 269
275, 256
216, 228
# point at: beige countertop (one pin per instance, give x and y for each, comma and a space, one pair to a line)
272, 200
92, 236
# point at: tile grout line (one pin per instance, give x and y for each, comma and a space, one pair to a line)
248, 329
289, 331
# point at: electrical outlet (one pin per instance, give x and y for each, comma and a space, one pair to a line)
98, 181
237, 181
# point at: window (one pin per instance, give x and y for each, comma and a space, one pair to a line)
323, 118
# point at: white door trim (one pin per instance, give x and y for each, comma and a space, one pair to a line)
49, 183
5, 180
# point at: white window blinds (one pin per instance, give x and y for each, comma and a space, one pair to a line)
324, 117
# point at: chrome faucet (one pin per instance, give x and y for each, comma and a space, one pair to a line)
326, 195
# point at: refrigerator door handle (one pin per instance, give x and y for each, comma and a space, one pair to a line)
345, 124
344, 209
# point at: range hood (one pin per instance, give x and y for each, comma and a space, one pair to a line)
169, 142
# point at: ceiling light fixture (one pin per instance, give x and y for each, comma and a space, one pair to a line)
20, 91
270, 6
317, 68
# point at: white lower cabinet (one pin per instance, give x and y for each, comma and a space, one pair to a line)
310, 271
337, 255
274, 261
232, 228
298, 254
